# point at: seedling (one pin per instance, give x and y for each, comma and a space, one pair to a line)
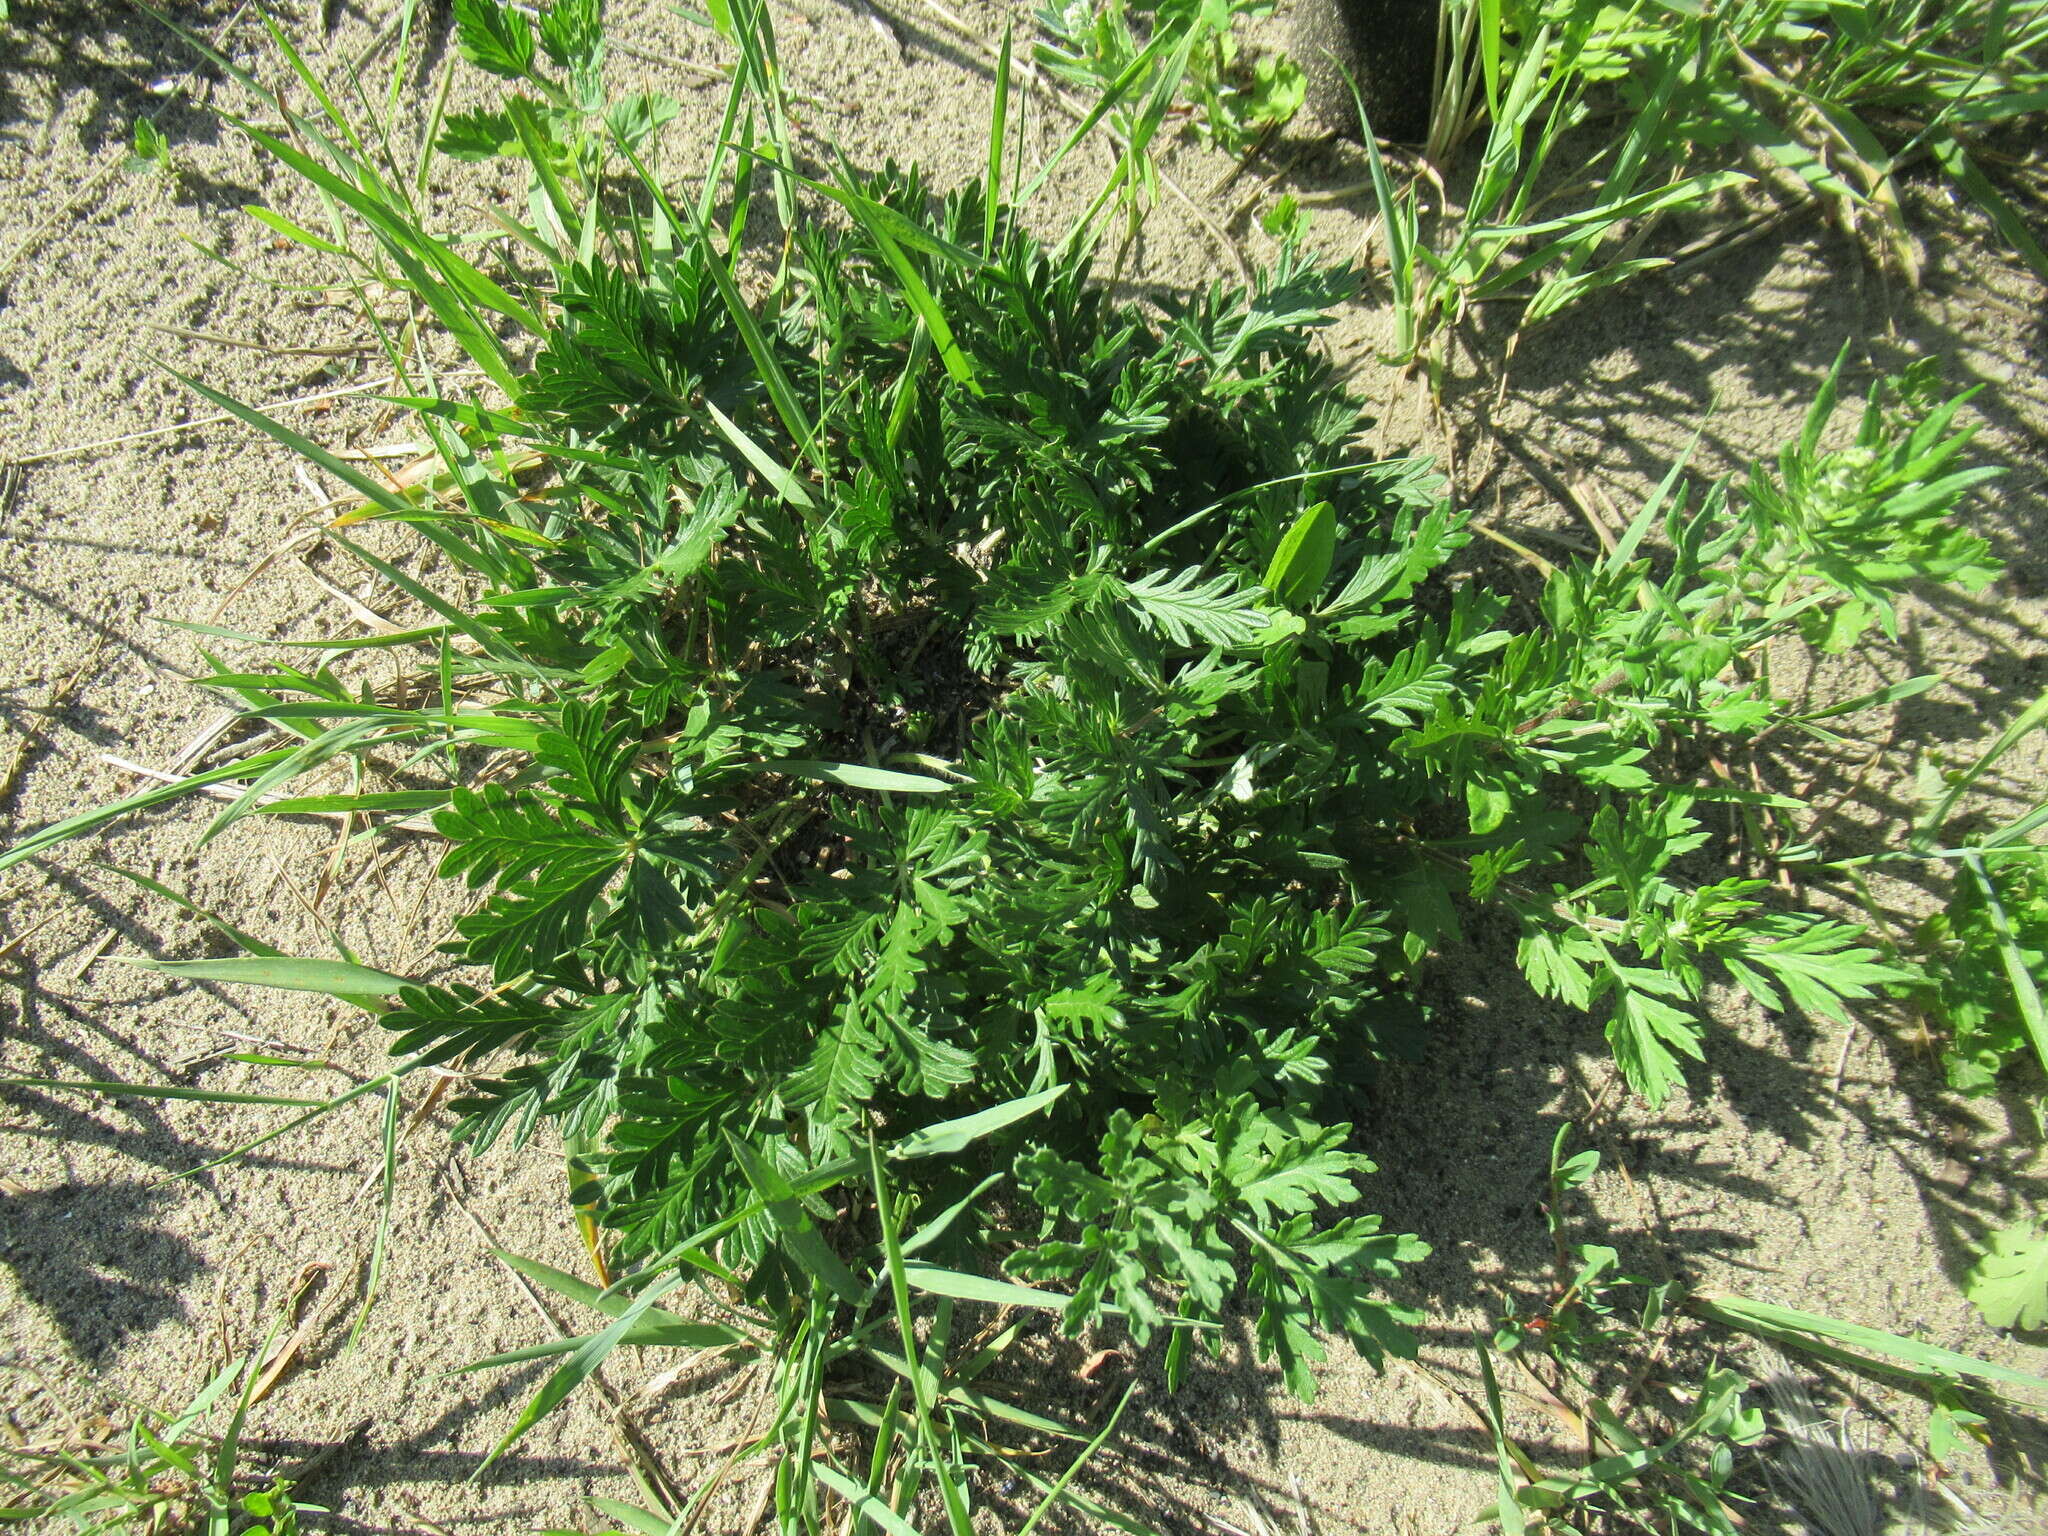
151, 154
166, 1473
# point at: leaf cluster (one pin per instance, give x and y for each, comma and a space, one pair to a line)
910, 679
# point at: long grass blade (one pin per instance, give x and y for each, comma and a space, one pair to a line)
573, 1372
998, 126
90, 821
334, 978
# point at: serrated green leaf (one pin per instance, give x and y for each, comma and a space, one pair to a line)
2009, 1281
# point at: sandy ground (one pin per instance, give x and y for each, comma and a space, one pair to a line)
122, 1280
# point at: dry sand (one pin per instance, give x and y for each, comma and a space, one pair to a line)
120, 1281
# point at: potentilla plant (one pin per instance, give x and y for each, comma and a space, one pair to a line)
932, 691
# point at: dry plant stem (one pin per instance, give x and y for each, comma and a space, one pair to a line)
1649, 1214
363, 614
1549, 1399
1543, 566
761, 1500
91, 957
1251, 199
1304, 1519
1216, 232
304, 1325
1849, 1032
751, 1438
294, 403
13, 945
337, 856
215, 338
433, 1527
1709, 249
307, 1466
1564, 495
307, 537
1565, 541
210, 736
1450, 1393
1236, 173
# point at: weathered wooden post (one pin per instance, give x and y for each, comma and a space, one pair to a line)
1388, 47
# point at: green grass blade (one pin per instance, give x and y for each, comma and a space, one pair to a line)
935, 1281
1133, 75
371, 490
1398, 228
998, 127
315, 1112
333, 978
2033, 718
2018, 232
573, 1372
90, 821
863, 1503
803, 1241
1507, 1509
950, 1136
2019, 977
859, 776
482, 634
922, 1391
700, 1335
915, 291
773, 377
156, 1091
786, 484
1073, 1468
1928, 1363
638, 1521
380, 1244
227, 930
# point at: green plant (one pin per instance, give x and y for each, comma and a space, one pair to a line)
868, 1409
1595, 1323
919, 691
1991, 949
1498, 242
1988, 950
1679, 1474
1830, 101
1987, 962
151, 154
1189, 46
1603, 1346
573, 121
2009, 1281
1843, 97
165, 1476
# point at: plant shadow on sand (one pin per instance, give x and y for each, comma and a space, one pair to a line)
97, 1256
108, 65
